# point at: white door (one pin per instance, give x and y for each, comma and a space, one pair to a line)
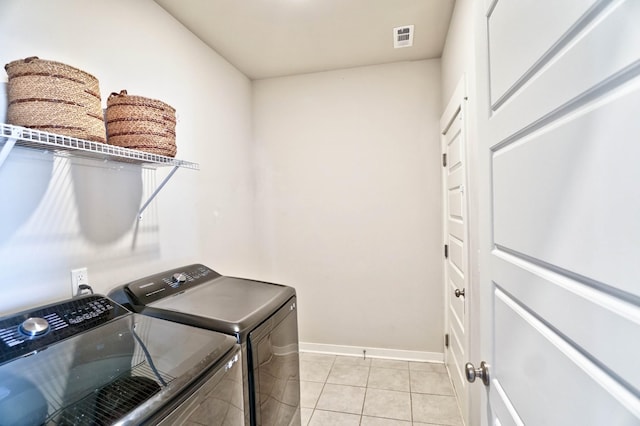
559, 128
453, 131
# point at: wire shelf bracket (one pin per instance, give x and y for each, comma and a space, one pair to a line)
8, 146
158, 189
65, 145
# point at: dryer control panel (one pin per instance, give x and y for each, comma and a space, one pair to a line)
167, 283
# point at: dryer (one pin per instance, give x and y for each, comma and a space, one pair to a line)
261, 316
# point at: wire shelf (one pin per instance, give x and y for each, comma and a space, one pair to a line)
30, 138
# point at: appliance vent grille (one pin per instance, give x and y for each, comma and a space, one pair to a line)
403, 36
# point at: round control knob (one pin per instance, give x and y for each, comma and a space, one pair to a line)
33, 327
179, 278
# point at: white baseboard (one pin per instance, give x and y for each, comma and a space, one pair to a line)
382, 353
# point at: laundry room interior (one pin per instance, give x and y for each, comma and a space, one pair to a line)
326, 181
317, 163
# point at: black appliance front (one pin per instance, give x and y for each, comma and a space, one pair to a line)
274, 359
88, 361
262, 316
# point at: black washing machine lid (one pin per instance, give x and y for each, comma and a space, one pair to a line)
84, 375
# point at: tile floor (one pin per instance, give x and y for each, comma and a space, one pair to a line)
344, 391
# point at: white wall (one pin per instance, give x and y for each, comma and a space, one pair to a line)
458, 53
59, 214
349, 196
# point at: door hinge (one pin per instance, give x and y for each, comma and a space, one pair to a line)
446, 340
446, 251
444, 160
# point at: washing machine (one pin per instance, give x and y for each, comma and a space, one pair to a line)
89, 361
261, 316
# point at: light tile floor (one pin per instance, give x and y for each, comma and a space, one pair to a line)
343, 391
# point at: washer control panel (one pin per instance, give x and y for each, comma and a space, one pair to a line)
32, 327
31, 331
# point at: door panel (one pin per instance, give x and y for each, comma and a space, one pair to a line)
537, 24
606, 322
536, 364
455, 202
456, 227
576, 73
454, 152
502, 411
456, 309
456, 256
456, 279
567, 180
558, 128
458, 353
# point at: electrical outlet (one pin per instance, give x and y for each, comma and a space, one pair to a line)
78, 276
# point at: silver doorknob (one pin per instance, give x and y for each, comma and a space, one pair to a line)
459, 292
482, 372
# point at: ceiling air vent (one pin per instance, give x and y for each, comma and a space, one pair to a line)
403, 36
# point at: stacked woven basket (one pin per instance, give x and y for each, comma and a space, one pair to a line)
141, 123
54, 97
57, 98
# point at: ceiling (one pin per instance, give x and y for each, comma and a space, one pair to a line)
272, 38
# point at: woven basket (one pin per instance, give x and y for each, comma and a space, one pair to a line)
141, 123
54, 97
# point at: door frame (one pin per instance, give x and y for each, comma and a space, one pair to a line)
457, 105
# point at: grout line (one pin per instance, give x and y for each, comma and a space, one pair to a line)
363, 401
366, 391
410, 396
315, 406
